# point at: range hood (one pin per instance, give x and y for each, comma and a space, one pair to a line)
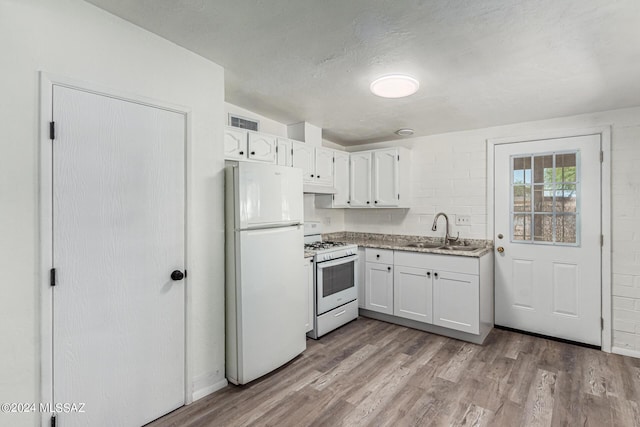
318, 189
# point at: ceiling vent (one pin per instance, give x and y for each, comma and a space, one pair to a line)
243, 122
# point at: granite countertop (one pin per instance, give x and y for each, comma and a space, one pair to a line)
309, 254
399, 242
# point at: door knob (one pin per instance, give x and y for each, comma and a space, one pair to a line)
500, 249
177, 275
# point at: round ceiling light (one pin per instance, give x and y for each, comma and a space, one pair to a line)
394, 86
404, 132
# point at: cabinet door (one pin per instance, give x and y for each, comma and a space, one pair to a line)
379, 288
324, 166
385, 178
456, 301
283, 152
262, 147
303, 158
360, 180
361, 276
412, 293
235, 144
308, 270
341, 179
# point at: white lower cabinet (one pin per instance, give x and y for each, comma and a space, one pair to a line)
412, 293
448, 291
308, 274
456, 301
379, 287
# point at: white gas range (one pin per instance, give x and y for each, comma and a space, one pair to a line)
335, 269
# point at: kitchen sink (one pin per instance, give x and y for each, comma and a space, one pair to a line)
460, 248
423, 245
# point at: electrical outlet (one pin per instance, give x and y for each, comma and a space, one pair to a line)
463, 219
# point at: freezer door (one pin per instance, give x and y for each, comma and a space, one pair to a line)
271, 308
268, 195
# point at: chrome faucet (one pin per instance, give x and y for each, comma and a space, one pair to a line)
447, 238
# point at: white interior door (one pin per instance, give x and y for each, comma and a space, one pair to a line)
118, 234
548, 237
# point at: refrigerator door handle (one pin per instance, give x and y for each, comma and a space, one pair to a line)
272, 225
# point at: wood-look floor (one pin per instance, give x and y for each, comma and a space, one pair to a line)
374, 373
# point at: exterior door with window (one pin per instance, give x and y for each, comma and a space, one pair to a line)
548, 237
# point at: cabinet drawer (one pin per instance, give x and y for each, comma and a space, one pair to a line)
337, 317
384, 256
459, 264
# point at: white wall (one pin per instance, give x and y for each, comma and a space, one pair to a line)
449, 174
332, 219
74, 39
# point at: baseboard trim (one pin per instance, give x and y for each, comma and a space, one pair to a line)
207, 390
625, 352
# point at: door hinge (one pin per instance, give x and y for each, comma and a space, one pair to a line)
398, 196
185, 273
333, 197
398, 157
333, 159
52, 277
602, 323
53, 421
52, 130
602, 240
601, 156
276, 149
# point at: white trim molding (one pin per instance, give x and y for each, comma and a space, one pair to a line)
605, 146
45, 232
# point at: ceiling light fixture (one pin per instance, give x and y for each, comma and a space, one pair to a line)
404, 132
394, 86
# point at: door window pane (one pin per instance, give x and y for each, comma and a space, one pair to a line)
522, 198
566, 229
521, 227
547, 211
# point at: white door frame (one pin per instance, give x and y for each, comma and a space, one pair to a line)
605, 138
47, 81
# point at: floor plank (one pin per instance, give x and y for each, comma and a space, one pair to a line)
378, 374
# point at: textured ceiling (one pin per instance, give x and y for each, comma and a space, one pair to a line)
480, 63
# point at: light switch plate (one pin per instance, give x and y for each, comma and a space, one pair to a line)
463, 219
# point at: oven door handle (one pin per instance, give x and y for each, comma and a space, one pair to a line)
335, 262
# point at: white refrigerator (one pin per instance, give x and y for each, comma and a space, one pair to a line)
265, 284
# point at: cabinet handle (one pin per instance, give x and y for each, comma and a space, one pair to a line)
435, 275
388, 268
348, 201
253, 153
428, 274
318, 176
378, 256
311, 175
241, 153
367, 202
375, 202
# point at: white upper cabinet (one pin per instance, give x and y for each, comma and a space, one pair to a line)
283, 152
262, 147
341, 179
324, 166
386, 190
360, 179
304, 158
235, 143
